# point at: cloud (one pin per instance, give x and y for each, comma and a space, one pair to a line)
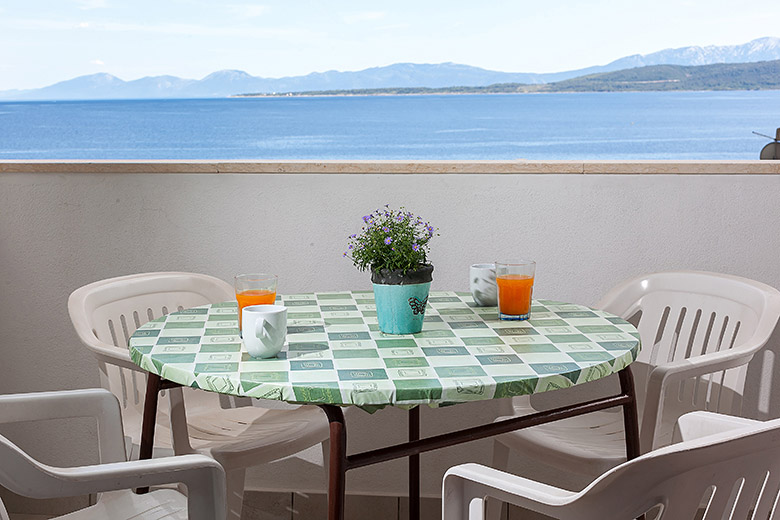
97, 62
393, 27
91, 4
166, 28
205, 30
365, 16
248, 10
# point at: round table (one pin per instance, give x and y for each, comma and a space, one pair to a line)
335, 355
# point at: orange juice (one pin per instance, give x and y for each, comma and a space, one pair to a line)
514, 294
253, 297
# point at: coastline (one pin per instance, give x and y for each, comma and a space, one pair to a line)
347, 93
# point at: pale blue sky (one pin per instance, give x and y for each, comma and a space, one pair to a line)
45, 41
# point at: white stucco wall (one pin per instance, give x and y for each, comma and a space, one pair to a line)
59, 231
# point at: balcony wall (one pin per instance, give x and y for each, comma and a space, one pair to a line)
588, 225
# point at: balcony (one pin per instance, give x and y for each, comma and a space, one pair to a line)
587, 224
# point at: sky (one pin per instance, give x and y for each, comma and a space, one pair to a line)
46, 41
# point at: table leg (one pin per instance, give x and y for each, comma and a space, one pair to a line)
630, 417
153, 386
414, 466
337, 462
340, 462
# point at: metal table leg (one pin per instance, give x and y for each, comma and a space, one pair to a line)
337, 462
340, 462
153, 386
630, 417
414, 465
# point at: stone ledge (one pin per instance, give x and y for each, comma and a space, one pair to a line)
400, 167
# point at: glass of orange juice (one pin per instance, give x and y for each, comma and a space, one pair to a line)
254, 289
515, 280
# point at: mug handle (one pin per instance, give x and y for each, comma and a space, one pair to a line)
260, 332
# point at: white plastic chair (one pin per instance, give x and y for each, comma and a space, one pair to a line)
20, 473
699, 330
107, 312
729, 466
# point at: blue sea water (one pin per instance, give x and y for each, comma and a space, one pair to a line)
631, 125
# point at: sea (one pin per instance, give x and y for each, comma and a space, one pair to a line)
550, 126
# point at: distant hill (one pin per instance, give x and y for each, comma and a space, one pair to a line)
721, 76
397, 76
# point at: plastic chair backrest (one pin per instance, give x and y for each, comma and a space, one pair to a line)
736, 474
106, 313
687, 314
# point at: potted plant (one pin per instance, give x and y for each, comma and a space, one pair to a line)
394, 245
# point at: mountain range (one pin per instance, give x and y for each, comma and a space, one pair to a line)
400, 75
761, 75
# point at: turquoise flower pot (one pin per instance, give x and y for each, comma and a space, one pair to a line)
401, 299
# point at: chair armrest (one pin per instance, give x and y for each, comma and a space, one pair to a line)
92, 402
203, 476
701, 365
62, 404
466, 482
111, 354
697, 425
664, 375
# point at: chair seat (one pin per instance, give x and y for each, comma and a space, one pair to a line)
250, 435
588, 444
245, 436
162, 504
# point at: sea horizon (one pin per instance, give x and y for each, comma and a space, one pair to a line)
593, 125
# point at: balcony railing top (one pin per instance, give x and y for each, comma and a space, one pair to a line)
600, 167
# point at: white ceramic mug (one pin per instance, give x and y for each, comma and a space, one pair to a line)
264, 328
482, 283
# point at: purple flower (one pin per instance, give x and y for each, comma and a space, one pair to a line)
415, 247
366, 218
345, 254
351, 246
388, 240
353, 235
386, 229
400, 218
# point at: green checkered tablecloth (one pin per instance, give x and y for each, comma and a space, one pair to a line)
336, 354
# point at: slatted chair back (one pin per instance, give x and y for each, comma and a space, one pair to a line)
687, 317
106, 313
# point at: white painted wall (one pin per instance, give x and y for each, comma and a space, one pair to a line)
59, 231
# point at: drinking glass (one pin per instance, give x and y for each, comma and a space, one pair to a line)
515, 280
254, 289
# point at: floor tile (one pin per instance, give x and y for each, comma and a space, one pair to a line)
430, 508
313, 506
517, 513
263, 505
